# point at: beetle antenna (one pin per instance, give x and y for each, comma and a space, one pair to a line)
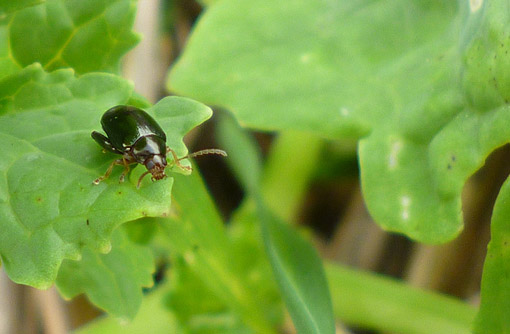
205, 152
192, 155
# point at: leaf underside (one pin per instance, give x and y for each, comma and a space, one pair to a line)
422, 88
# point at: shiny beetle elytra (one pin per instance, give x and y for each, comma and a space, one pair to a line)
135, 135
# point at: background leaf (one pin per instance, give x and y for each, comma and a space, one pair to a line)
199, 309
308, 65
111, 281
488, 85
300, 275
495, 302
85, 35
384, 304
414, 86
153, 317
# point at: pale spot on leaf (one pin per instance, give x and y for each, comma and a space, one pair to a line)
405, 201
396, 147
305, 58
106, 247
475, 5
189, 257
123, 321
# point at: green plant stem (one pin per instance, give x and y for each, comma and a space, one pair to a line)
290, 164
371, 301
218, 277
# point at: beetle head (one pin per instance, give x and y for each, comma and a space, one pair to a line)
156, 164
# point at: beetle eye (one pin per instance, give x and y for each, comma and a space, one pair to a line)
150, 164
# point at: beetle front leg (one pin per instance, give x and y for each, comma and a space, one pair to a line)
109, 171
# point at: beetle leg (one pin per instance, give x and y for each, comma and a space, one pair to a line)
108, 171
126, 169
176, 159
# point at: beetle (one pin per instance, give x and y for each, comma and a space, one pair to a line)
134, 134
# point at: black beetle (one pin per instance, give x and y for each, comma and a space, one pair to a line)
135, 135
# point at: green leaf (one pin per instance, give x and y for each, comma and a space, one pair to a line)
7, 62
85, 35
198, 308
197, 234
309, 65
141, 231
9, 6
495, 303
153, 317
300, 275
49, 208
111, 281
